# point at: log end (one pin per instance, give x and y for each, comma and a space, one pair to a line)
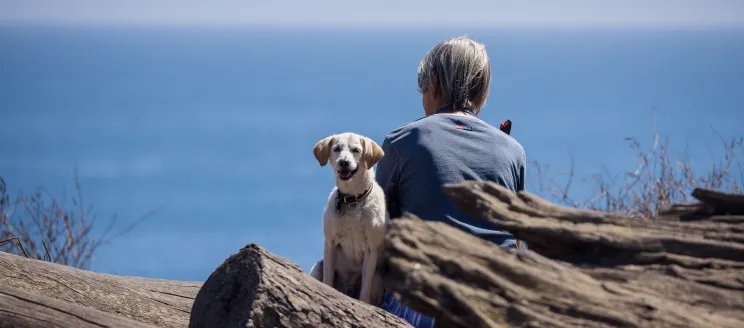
254, 288
226, 297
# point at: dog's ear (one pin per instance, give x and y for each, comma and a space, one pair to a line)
372, 152
322, 150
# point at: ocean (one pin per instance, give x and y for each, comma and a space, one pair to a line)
217, 125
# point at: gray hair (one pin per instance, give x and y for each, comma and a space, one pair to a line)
460, 70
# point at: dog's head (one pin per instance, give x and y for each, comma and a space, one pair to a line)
347, 153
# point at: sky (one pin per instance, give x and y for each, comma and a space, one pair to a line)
380, 13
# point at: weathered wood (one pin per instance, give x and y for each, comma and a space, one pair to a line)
21, 309
162, 303
597, 238
721, 202
588, 269
254, 288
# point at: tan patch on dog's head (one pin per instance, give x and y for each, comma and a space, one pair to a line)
372, 152
322, 150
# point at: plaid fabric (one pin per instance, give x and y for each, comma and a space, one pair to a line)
419, 320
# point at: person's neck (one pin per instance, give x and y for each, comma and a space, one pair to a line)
450, 111
361, 181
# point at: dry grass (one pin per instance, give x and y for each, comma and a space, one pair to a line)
658, 181
39, 226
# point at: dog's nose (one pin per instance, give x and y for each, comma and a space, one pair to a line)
343, 163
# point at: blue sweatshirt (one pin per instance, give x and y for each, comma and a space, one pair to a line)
439, 149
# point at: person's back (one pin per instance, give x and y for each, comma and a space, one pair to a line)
447, 148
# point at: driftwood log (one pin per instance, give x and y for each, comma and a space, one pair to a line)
684, 268
254, 288
585, 268
21, 309
89, 296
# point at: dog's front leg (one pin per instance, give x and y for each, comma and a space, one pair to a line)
368, 275
329, 263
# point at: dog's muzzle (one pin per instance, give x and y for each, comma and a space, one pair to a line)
347, 174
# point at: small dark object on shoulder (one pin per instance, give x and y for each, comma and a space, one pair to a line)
506, 127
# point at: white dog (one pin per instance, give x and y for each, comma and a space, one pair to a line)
354, 219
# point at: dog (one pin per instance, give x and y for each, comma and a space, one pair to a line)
354, 220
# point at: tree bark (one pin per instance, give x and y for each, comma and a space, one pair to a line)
585, 268
21, 309
162, 303
254, 288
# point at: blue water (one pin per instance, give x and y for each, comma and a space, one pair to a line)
217, 125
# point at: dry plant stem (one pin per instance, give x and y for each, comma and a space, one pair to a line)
657, 182
18, 242
66, 232
46, 249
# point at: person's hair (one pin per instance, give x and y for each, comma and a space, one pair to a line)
460, 70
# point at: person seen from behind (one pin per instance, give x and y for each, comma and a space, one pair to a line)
450, 144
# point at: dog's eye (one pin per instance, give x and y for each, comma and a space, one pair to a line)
336, 149
356, 150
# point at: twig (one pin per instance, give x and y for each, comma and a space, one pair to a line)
18, 241
730, 151
63, 230
570, 180
131, 226
47, 251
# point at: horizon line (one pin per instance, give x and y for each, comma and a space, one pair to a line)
732, 27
